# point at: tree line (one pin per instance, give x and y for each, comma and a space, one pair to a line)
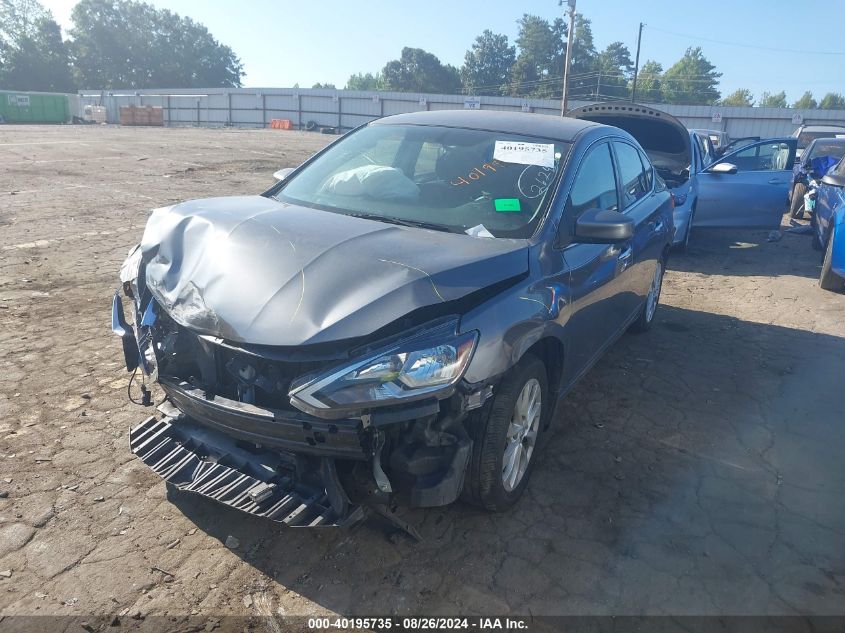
744, 97
113, 44
533, 67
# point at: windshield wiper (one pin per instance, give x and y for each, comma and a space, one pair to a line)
420, 224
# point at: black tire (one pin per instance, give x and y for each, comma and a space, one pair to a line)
796, 206
646, 318
489, 429
829, 280
816, 242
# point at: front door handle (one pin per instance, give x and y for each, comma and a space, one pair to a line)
658, 226
776, 181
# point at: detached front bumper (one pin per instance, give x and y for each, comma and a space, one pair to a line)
262, 483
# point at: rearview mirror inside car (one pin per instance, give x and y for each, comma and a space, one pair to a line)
600, 226
283, 173
723, 168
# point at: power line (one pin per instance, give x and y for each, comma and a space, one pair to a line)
762, 48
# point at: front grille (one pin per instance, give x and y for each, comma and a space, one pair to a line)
224, 370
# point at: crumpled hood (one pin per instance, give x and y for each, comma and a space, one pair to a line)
254, 270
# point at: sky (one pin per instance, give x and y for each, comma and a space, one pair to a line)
754, 43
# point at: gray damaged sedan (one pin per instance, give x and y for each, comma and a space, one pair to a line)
396, 319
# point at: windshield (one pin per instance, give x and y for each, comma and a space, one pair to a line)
491, 184
821, 148
805, 138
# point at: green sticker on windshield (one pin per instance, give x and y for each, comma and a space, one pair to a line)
507, 205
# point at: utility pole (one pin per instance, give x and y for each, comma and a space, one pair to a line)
637, 65
569, 40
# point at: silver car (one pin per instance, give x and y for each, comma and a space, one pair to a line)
806, 134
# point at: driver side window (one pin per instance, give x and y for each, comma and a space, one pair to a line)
595, 184
762, 157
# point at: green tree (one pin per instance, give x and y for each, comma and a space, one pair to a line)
806, 102
584, 60
739, 97
650, 83
325, 85
417, 70
832, 101
487, 64
32, 53
614, 68
128, 44
773, 100
365, 81
538, 69
691, 80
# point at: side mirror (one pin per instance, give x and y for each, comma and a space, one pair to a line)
283, 173
598, 226
723, 168
834, 180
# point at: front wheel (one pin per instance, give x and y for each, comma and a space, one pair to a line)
829, 280
643, 323
504, 442
816, 242
796, 207
683, 246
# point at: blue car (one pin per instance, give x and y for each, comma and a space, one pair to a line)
828, 221
821, 154
396, 319
679, 155
744, 188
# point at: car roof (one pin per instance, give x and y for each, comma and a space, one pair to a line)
522, 123
834, 140
822, 128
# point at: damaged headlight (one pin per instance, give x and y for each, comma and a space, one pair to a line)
417, 367
129, 273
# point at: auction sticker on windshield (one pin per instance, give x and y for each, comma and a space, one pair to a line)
540, 154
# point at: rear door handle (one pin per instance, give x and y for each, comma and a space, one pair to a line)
776, 181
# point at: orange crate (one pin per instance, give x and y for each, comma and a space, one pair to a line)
281, 124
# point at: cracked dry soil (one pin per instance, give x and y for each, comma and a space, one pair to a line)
697, 469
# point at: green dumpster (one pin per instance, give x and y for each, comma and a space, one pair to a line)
33, 107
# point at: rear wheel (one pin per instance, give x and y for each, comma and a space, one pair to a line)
643, 323
796, 207
829, 280
504, 442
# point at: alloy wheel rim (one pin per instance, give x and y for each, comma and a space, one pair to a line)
654, 292
522, 434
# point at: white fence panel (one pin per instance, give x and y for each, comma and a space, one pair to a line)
343, 110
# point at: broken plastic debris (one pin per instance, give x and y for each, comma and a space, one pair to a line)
479, 231
232, 542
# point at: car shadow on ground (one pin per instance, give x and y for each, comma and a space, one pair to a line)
690, 472
719, 252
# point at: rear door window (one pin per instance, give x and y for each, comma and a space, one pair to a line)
649, 171
631, 174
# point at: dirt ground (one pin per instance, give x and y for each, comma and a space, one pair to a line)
697, 469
